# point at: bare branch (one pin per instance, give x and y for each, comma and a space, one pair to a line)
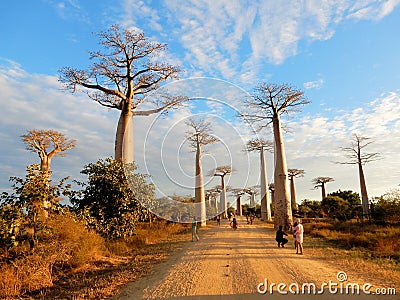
258, 144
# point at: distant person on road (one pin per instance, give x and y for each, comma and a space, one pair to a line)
234, 224
218, 220
279, 237
299, 230
194, 230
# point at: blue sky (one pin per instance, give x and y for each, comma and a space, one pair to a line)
344, 55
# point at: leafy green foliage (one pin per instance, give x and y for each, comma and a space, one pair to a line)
310, 208
28, 206
110, 201
336, 207
386, 209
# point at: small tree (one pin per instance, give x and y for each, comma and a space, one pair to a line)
353, 198
320, 183
261, 145
293, 173
356, 157
267, 104
27, 204
47, 144
336, 207
222, 171
121, 76
199, 135
111, 203
386, 209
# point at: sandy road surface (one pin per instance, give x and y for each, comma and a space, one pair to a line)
227, 264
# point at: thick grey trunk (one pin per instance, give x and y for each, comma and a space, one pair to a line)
283, 209
364, 194
124, 144
265, 201
252, 200
199, 195
223, 204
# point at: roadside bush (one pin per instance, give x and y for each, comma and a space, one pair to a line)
65, 244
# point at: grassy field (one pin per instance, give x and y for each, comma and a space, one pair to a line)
79, 264
370, 250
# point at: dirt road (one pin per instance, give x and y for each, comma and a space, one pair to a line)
243, 264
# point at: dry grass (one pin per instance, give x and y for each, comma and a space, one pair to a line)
77, 264
377, 241
358, 247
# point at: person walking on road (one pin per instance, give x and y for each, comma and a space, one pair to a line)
299, 231
194, 230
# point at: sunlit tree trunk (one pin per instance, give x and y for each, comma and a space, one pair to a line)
293, 196
199, 190
238, 206
283, 209
364, 194
323, 191
223, 204
124, 147
265, 200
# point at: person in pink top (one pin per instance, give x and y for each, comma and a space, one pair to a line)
299, 230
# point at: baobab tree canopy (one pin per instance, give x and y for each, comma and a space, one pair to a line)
47, 144
120, 77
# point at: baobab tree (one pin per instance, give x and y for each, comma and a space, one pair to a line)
222, 171
47, 144
320, 183
212, 195
260, 145
271, 188
199, 135
356, 157
293, 173
252, 191
121, 76
265, 107
238, 193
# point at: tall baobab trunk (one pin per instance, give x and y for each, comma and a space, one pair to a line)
323, 191
265, 200
238, 206
283, 209
293, 193
364, 194
223, 204
124, 137
199, 190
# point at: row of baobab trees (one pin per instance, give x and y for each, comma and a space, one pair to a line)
128, 68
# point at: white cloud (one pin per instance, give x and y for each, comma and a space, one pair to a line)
31, 101
314, 84
316, 142
223, 37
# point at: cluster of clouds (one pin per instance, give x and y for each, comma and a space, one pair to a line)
233, 39
313, 142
